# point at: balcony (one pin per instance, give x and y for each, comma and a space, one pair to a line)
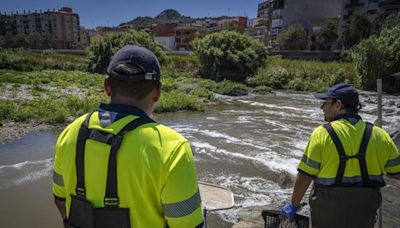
354, 5
389, 3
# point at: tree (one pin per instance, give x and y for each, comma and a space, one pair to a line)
294, 37
383, 21
101, 51
35, 40
377, 57
229, 55
328, 36
357, 28
21, 41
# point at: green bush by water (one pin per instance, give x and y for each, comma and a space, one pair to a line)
281, 73
24, 60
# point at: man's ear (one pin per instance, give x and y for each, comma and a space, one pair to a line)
106, 85
157, 92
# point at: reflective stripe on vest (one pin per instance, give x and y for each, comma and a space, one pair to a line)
339, 180
58, 179
310, 162
393, 162
356, 180
183, 208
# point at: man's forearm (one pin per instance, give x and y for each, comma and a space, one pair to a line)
301, 185
61, 208
396, 176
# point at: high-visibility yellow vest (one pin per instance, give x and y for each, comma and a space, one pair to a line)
321, 159
157, 178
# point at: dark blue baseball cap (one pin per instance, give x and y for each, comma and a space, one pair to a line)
143, 64
346, 93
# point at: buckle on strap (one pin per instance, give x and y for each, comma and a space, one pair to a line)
345, 158
80, 192
111, 202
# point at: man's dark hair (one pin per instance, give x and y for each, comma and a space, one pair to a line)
352, 109
135, 89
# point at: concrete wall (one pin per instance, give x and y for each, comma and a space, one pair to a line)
168, 42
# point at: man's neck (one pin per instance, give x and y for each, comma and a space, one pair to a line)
132, 102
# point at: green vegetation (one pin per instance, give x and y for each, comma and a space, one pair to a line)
188, 64
55, 78
326, 38
53, 88
379, 57
23, 60
292, 38
303, 75
101, 51
229, 55
33, 40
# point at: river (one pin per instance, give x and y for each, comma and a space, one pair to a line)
250, 144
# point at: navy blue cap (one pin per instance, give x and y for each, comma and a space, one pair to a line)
143, 63
346, 93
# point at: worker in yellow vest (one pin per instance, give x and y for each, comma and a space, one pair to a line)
346, 158
116, 167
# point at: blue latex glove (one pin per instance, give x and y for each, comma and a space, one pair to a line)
289, 210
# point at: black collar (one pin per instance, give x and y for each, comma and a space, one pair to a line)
123, 109
351, 117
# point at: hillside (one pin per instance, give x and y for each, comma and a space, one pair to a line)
168, 15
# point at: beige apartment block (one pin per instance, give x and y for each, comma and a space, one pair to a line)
62, 27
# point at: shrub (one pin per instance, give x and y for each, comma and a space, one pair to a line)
178, 101
297, 84
262, 90
101, 51
7, 109
229, 55
292, 38
275, 78
186, 64
227, 87
23, 60
377, 57
277, 73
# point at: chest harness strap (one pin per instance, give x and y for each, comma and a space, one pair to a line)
82, 214
343, 157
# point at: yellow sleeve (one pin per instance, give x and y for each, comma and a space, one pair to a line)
180, 195
58, 180
392, 166
311, 161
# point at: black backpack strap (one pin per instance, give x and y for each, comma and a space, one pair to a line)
111, 199
342, 155
83, 134
361, 154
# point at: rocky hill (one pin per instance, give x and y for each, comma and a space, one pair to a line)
168, 15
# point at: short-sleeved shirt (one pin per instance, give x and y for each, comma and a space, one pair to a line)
321, 158
157, 178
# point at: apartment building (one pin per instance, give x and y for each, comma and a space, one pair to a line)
288, 12
62, 26
184, 36
372, 8
164, 33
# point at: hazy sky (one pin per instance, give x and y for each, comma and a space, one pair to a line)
113, 12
